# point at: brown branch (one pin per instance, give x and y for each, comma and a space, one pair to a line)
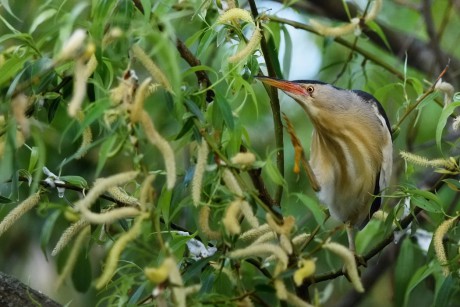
15, 293
420, 55
274, 103
201, 75
377, 60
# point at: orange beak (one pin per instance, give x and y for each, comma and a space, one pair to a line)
286, 86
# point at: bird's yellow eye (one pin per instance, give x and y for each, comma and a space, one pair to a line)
310, 89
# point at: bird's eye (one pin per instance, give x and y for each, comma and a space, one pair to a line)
310, 89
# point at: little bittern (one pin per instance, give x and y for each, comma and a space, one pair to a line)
351, 149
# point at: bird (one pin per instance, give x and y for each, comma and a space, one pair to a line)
351, 151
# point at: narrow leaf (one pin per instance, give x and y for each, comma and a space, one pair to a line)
446, 112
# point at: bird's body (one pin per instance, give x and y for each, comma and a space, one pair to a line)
351, 148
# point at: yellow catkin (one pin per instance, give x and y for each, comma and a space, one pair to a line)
19, 107
231, 4
374, 11
163, 146
68, 235
109, 216
87, 138
300, 240
102, 185
258, 250
82, 72
230, 219
147, 191
252, 45
141, 94
159, 274
286, 228
307, 267
120, 195
422, 161
192, 289
125, 90
286, 244
19, 211
235, 14
296, 301
151, 67
246, 209
73, 46
231, 182
200, 168
178, 290
73, 255
349, 260
266, 237
439, 246
255, 233
117, 249
280, 288
203, 222
244, 158
335, 31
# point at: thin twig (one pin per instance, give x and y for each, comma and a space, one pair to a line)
377, 60
420, 99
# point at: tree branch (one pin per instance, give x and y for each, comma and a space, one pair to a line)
420, 55
274, 103
15, 293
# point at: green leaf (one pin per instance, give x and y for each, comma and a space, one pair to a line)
22, 173
47, 231
224, 108
8, 25
10, 68
33, 159
194, 109
45, 15
420, 275
453, 184
287, 52
446, 291
75, 180
405, 268
366, 238
137, 295
426, 200
93, 113
164, 204
313, 205
6, 5
446, 112
273, 172
81, 274
5, 200
106, 148
205, 42
41, 155
376, 28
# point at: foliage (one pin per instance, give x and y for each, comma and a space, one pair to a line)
137, 129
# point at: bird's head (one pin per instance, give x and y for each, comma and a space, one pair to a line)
314, 96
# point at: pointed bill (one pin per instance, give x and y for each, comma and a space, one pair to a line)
286, 86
